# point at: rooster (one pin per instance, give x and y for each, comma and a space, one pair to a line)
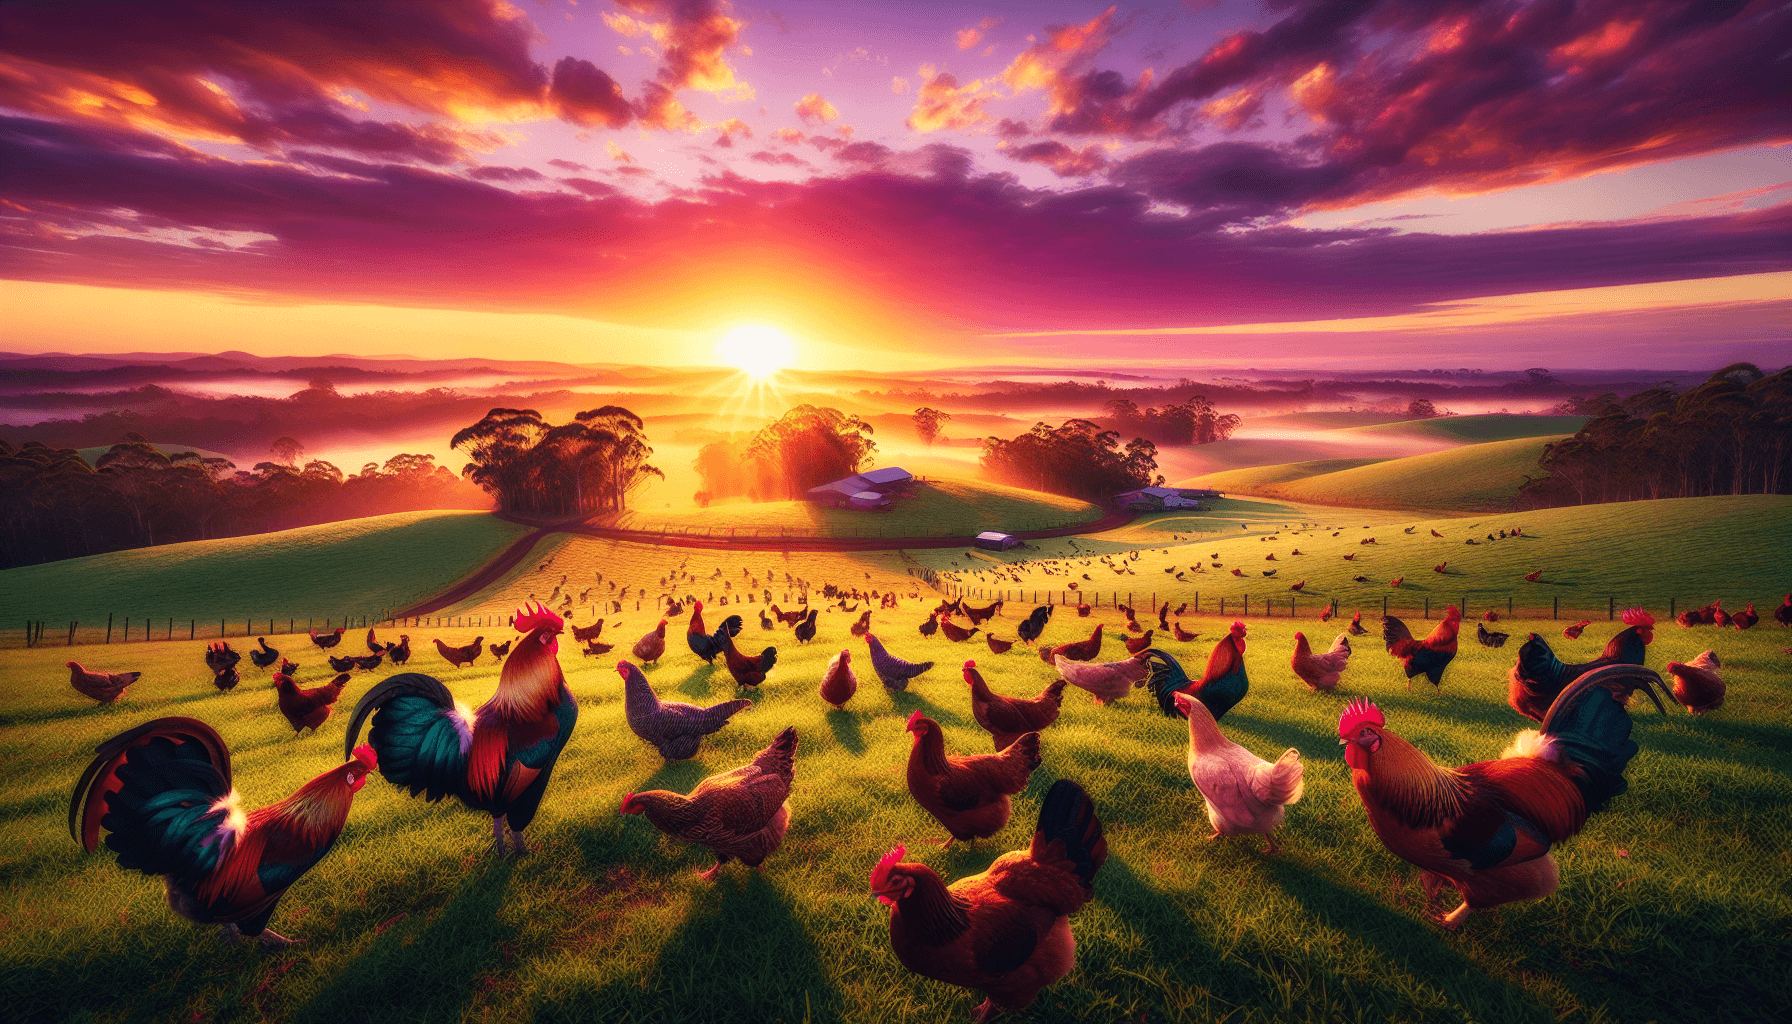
163, 791
458, 656
1356, 625
400, 652
1244, 794
1429, 656
954, 632
648, 649
674, 728
1488, 638
805, 630
373, 645
1321, 672
1573, 633
264, 657
1135, 644
104, 687
219, 657
1697, 686
1746, 618
307, 708
327, 640
862, 626
497, 759
1033, 625
1783, 614
740, 814
746, 671
1486, 828
1106, 681
838, 683
1006, 719
892, 671
1221, 687
1538, 675
1005, 932
968, 795
702, 644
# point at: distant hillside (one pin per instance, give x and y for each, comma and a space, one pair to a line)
1496, 426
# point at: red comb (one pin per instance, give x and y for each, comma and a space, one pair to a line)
1638, 617
527, 621
366, 756
912, 719
881, 873
1238, 627
971, 663
1359, 712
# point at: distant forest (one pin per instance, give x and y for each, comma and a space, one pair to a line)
807, 446
1076, 458
1730, 435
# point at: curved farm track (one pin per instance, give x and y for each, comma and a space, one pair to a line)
508, 559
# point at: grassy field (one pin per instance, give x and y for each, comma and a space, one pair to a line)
1471, 478
358, 566
1674, 902
943, 507
1493, 426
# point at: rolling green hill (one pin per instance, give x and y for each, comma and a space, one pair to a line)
1496, 426
1469, 478
358, 566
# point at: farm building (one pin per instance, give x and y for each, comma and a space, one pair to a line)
864, 491
996, 541
1151, 498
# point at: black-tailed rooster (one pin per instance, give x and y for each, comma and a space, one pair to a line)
1539, 675
1428, 657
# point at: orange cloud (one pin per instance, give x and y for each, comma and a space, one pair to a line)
812, 109
943, 103
1043, 65
969, 37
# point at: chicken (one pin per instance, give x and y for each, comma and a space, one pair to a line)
1108, 681
788, 618
339, 664
1428, 657
1325, 614
1490, 616
458, 656
226, 679
369, 662
1182, 635
765, 621
997, 646
219, 657
497, 759
1321, 672
1533, 577
1135, 644
586, 633
163, 791
745, 670
1298, 586
1082, 610
328, 640
674, 728
1718, 617
307, 708
1396, 581
980, 615
373, 645
740, 814
1034, 624
1746, 618
1082, 650
1006, 719
400, 652
500, 651
1697, 686
862, 626
838, 683
954, 632
104, 687
704, 645
264, 657
1221, 687
1441, 567
1005, 932
805, 630
968, 795
1244, 794
932, 625
289, 667
648, 649
1486, 828
892, 671
1489, 638
1538, 675
1783, 614
1572, 633
1434, 533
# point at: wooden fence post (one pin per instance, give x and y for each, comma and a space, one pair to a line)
1384, 606
1427, 607
1555, 607
192, 627
1611, 608
1222, 607
108, 627
127, 629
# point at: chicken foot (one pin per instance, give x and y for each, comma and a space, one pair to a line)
268, 938
985, 1010
502, 849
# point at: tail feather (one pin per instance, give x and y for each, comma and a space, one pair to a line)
1591, 728
1165, 679
165, 794
780, 757
1393, 631
1068, 816
1538, 663
417, 733
88, 804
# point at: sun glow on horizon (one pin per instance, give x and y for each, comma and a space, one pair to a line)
756, 349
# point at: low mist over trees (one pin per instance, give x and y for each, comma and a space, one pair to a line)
1078, 459
1194, 421
54, 505
538, 468
807, 446
928, 423
1730, 435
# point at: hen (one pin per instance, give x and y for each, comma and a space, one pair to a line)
264, 657
1783, 614
163, 791
1428, 657
1030, 627
968, 795
747, 671
220, 656
1006, 719
980, 615
740, 814
1108, 681
458, 656
1488, 638
498, 651
1181, 635
1244, 794
307, 708
892, 671
1135, 644
373, 645
104, 687
675, 729
1005, 932
1221, 687
1538, 675
932, 625
1486, 828
838, 683
648, 649
704, 645
1321, 672
862, 626
1082, 650
327, 640
805, 630
226, 680
400, 652
1573, 632
369, 662
497, 759
339, 664
954, 632
1746, 618
1697, 686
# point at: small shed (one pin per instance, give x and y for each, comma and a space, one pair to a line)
866, 500
1162, 497
886, 479
995, 541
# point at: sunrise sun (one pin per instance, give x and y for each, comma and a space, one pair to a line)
756, 349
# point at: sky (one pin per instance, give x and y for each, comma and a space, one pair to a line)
1497, 184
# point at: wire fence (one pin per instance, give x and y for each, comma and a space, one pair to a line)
125, 629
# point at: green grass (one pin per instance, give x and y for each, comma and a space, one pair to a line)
940, 507
358, 566
1493, 426
1256, 477
1674, 902
1469, 478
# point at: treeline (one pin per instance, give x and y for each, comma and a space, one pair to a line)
54, 505
806, 447
1731, 434
1194, 421
536, 468
1077, 459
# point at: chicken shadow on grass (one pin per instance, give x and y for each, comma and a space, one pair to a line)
846, 730
908, 702
697, 684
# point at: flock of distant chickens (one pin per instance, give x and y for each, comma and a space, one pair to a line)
162, 792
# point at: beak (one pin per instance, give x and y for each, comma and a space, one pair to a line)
1342, 741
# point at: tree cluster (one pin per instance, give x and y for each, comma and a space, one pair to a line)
1730, 435
807, 446
54, 505
1077, 459
1192, 421
536, 468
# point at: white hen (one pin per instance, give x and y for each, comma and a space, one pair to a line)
1243, 792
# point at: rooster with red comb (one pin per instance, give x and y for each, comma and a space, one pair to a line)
1539, 675
496, 759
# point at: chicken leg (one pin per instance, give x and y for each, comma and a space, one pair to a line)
269, 938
